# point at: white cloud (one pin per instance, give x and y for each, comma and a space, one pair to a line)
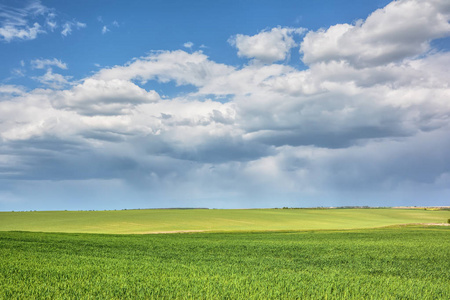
401, 29
266, 46
26, 23
249, 79
105, 29
18, 72
9, 33
11, 90
188, 45
67, 27
43, 63
180, 66
29, 115
17, 23
104, 97
350, 126
52, 24
53, 80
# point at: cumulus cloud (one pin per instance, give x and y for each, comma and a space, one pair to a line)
53, 80
43, 63
11, 90
104, 97
164, 66
401, 29
266, 46
188, 45
355, 125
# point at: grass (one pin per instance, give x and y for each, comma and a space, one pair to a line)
389, 263
147, 221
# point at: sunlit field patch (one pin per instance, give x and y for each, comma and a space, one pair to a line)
175, 220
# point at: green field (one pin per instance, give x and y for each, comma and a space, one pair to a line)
245, 254
388, 263
148, 221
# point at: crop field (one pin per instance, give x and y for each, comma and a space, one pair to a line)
169, 220
403, 262
243, 254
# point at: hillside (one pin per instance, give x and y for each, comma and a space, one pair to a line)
175, 220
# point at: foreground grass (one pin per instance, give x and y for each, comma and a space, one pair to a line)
389, 263
146, 221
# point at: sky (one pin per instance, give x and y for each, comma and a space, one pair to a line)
224, 104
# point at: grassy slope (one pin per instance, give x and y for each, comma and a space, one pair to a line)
146, 221
393, 263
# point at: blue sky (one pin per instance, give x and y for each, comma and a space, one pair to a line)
224, 104
134, 29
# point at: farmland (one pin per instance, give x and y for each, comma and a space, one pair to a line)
389, 263
240, 254
170, 220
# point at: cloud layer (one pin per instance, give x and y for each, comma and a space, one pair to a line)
400, 30
367, 122
266, 46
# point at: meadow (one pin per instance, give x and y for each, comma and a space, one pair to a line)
400, 262
171, 220
237, 254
